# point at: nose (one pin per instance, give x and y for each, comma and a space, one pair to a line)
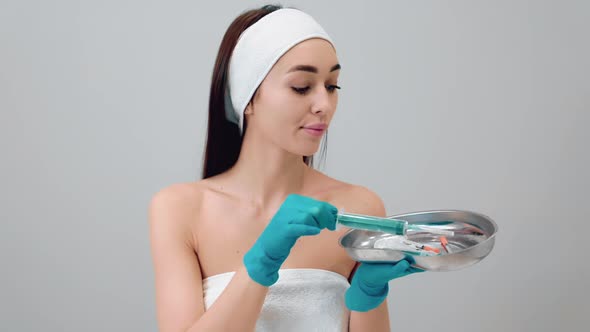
317, 110
324, 103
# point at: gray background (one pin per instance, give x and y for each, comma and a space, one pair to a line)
478, 105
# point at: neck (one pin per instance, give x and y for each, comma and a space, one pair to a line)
267, 173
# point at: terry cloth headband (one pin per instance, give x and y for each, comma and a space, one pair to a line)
259, 47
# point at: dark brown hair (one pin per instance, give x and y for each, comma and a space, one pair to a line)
223, 137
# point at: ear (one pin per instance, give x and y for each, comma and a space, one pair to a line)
249, 109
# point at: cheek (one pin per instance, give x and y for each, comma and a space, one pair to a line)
285, 108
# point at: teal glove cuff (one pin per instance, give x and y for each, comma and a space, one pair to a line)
361, 297
261, 267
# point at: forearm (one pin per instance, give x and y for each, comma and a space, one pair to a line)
373, 320
236, 309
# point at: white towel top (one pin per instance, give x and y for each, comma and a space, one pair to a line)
301, 300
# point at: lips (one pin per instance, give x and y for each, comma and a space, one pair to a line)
315, 129
316, 126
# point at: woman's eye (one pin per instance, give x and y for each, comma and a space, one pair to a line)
302, 91
333, 88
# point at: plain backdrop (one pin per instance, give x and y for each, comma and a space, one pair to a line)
475, 105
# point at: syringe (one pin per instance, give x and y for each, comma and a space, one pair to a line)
386, 225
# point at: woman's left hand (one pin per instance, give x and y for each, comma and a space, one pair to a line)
370, 283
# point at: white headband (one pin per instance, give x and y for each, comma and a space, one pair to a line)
259, 47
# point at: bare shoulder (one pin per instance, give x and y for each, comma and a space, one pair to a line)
184, 196
355, 198
363, 200
175, 207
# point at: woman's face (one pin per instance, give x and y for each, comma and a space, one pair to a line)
297, 98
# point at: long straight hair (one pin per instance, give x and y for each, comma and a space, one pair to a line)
224, 141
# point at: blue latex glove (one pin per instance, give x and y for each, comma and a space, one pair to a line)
370, 284
297, 216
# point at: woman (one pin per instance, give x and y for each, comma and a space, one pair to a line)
253, 245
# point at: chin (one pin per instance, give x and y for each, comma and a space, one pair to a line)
303, 147
308, 152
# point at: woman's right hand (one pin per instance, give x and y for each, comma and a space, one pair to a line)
298, 216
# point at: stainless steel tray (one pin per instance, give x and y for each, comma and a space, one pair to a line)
473, 240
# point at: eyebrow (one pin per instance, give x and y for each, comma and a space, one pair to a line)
312, 69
